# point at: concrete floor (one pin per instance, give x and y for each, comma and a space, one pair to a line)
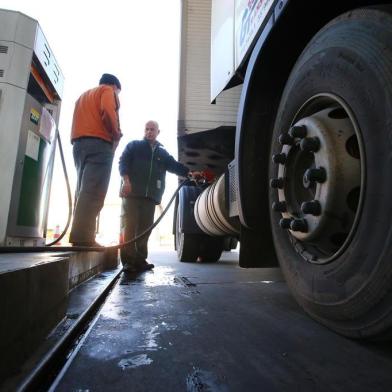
217, 327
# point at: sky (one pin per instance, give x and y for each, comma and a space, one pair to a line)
138, 41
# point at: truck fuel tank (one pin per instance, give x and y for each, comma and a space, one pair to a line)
211, 212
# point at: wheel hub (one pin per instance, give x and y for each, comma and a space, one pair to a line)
319, 181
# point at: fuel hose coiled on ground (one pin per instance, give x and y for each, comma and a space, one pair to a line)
50, 248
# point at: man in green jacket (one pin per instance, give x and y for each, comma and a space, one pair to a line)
143, 166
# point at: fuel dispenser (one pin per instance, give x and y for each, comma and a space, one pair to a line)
31, 87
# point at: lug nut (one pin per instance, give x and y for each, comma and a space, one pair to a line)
277, 183
284, 223
311, 207
299, 131
279, 206
310, 144
315, 175
285, 138
279, 158
299, 225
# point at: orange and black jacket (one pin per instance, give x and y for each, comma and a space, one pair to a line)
96, 115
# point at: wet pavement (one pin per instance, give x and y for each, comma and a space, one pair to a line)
217, 327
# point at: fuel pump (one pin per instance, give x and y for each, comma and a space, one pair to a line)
31, 87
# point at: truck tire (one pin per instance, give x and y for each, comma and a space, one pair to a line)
331, 187
229, 243
191, 246
210, 249
187, 245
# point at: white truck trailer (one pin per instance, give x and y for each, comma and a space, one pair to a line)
289, 104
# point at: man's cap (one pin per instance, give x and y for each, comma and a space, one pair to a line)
109, 79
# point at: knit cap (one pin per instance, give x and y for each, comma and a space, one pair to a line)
109, 79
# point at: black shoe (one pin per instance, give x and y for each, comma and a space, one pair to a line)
144, 266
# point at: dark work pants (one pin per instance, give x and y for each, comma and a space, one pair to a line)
93, 160
137, 214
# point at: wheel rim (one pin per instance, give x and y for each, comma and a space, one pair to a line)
320, 179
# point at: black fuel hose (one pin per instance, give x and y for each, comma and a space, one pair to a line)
50, 248
68, 191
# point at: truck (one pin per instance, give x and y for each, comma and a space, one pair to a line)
289, 104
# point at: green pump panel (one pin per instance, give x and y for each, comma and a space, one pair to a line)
30, 190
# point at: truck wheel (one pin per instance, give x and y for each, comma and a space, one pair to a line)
229, 243
187, 245
331, 188
192, 246
210, 249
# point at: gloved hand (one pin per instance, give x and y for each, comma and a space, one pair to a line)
208, 175
195, 175
205, 176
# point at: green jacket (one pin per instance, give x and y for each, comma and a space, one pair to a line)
146, 168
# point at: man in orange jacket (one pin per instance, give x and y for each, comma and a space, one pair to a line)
95, 136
